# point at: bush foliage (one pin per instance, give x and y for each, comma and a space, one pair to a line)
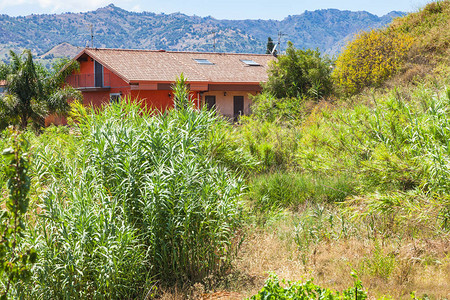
370, 59
390, 143
127, 198
299, 73
266, 107
273, 289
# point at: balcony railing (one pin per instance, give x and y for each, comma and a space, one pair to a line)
89, 81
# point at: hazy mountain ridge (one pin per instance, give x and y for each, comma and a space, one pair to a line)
117, 28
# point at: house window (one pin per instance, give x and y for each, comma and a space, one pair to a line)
203, 61
210, 102
238, 107
114, 97
250, 62
98, 74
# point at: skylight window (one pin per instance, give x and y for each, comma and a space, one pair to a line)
203, 61
250, 62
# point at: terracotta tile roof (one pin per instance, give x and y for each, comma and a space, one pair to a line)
149, 65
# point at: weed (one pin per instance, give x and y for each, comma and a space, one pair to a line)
379, 264
16, 258
273, 289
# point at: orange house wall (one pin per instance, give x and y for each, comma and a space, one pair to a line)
97, 98
86, 67
159, 100
152, 99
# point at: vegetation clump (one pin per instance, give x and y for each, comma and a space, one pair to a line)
129, 199
299, 73
353, 184
33, 92
305, 291
16, 259
370, 59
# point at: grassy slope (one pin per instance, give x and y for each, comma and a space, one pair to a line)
430, 55
387, 152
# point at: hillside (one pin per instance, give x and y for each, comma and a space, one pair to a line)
307, 196
117, 28
430, 30
61, 50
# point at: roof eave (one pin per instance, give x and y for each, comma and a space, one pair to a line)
95, 57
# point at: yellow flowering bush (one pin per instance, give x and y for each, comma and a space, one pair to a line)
370, 59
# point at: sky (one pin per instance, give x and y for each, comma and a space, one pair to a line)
224, 9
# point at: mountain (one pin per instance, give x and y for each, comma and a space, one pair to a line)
114, 27
61, 50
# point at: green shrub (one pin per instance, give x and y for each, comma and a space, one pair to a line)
266, 107
378, 263
398, 141
273, 289
273, 146
392, 143
299, 73
370, 59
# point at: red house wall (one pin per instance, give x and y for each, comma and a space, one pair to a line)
97, 98
153, 99
159, 100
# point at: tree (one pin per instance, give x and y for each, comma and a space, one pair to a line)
33, 92
299, 73
270, 45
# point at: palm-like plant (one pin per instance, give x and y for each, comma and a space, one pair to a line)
33, 92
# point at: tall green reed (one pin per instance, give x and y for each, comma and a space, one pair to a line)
183, 203
131, 198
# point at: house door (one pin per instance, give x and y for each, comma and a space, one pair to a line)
210, 102
98, 73
238, 104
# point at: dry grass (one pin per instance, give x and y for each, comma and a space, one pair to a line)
420, 265
265, 252
329, 263
430, 27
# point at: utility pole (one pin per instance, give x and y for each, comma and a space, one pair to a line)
214, 43
280, 34
92, 35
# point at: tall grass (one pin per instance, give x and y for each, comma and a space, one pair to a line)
183, 203
398, 141
366, 172
126, 199
291, 190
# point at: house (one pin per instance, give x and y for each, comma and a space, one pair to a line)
222, 81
